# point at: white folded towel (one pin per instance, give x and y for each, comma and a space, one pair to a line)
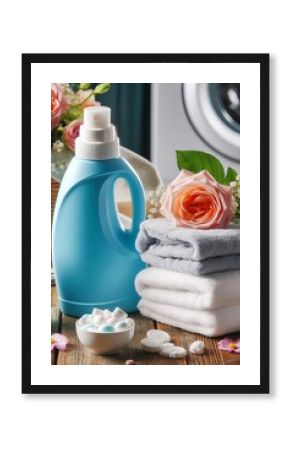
189, 291
209, 323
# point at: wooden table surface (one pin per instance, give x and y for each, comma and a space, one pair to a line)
79, 355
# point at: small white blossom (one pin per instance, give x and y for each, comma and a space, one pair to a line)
153, 205
67, 91
235, 186
58, 146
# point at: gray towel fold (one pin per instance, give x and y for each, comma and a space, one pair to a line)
162, 244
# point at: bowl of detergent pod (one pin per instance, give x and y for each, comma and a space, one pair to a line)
105, 332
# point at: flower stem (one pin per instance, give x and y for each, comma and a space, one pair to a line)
87, 98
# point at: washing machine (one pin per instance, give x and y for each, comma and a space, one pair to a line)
196, 116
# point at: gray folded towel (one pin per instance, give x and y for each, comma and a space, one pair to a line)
162, 244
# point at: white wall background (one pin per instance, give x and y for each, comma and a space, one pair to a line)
222, 422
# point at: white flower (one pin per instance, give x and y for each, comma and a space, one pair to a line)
153, 205
58, 146
67, 91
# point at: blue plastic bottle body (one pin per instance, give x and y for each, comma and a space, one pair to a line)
94, 258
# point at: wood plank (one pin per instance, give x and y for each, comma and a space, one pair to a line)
55, 321
54, 192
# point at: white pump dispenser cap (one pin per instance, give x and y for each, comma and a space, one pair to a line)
98, 138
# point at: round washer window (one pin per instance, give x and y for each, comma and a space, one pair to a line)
213, 110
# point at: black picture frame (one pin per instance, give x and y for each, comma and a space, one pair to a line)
263, 61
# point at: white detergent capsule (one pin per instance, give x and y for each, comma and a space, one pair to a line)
97, 312
130, 322
97, 320
197, 347
107, 314
166, 346
112, 321
106, 329
173, 352
177, 352
119, 314
159, 335
125, 324
97, 316
150, 345
165, 351
90, 327
84, 320
122, 325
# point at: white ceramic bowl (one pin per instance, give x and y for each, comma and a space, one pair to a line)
105, 343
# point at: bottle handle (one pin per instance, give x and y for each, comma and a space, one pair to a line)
138, 203
109, 216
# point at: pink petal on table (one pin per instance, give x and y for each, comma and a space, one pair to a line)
229, 345
237, 342
223, 344
59, 341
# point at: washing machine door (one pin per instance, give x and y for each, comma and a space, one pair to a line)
213, 110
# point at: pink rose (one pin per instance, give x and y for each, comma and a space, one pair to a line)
197, 201
71, 132
58, 105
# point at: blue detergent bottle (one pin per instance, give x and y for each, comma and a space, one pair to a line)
94, 257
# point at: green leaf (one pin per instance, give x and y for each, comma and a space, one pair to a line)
231, 175
55, 134
84, 86
195, 161
74, 112
74, 86
102, 88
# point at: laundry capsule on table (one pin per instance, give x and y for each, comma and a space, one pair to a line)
158, 335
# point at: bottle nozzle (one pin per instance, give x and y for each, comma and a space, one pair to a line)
98, 138
97, 117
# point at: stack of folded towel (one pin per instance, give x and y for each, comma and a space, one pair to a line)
194, 280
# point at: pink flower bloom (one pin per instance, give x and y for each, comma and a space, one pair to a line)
229, 345
83, 99
59, 341
90, 101
71, 132
58, 105
197, 201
